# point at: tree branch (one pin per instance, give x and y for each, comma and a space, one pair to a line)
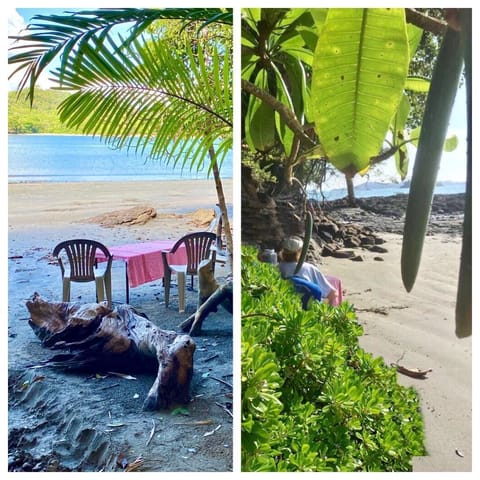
287, 115
430, 24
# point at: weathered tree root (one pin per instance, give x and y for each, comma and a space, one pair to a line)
223, 296
99, 338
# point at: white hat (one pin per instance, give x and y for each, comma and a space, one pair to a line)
292, 244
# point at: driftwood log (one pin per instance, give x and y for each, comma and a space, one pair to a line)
211, 295
99, 338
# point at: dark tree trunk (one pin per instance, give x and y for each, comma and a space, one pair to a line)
350, 190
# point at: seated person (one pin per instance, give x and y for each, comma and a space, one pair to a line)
288, 258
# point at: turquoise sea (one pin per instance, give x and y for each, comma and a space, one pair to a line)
79, 158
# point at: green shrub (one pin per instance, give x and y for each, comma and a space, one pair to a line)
312, 399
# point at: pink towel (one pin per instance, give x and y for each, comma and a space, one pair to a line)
337, 283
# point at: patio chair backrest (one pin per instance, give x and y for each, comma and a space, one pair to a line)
306, 289
198, 246
81, 255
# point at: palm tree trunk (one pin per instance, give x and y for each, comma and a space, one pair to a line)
222, 204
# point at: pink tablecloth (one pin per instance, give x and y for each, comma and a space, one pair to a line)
144, 260
337, 283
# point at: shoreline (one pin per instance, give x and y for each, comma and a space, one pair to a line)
131, 180
56, 204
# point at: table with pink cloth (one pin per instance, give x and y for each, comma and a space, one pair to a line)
143, 261
337, 283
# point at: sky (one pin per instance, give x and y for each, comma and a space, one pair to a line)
452, 167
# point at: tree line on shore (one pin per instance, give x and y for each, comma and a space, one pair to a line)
42, 117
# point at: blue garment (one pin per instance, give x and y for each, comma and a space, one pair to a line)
308, 272
313, 289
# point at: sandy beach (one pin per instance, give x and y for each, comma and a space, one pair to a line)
414, 329
61, 204
77, 422
417, 330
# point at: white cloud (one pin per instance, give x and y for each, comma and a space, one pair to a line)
15, 22
16, 26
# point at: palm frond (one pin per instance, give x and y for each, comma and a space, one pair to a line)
148, 97
49, 36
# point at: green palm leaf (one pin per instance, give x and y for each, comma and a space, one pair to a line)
359, 73
147, 96
49, 36
173, 103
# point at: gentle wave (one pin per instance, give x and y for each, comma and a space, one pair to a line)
80, 158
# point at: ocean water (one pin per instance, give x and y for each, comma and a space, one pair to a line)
380, 189
79, 158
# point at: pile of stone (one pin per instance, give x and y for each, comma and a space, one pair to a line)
342, 240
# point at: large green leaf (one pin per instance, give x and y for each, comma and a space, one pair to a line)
297, 79
359, 73
417, 84
450, 144
260, 119
285, 135
414, 34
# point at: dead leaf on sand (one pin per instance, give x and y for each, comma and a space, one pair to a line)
412, 372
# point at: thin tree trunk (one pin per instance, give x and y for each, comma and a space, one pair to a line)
291, 161
350, 189
222, 204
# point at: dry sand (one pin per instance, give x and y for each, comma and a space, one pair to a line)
60, 421
33, 205
417, 330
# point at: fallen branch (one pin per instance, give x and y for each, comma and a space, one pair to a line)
412, 372
95, 337
152, 433
223, 296
224, 408
221, 381
109, 386
381, 310
211, 358
195, 423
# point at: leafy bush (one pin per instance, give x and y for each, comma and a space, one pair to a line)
312, 399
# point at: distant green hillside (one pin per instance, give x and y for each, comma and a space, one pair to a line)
41, 118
